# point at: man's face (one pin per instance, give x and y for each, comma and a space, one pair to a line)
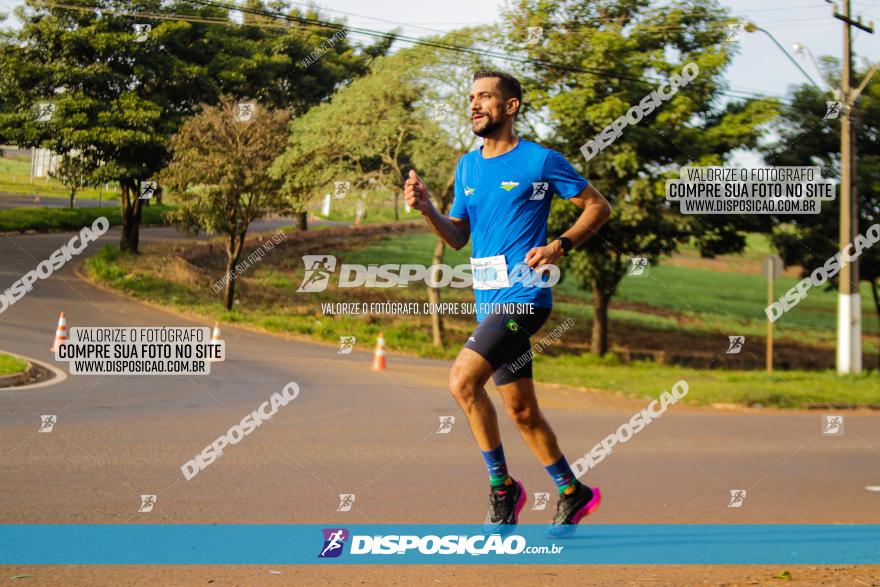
489, 109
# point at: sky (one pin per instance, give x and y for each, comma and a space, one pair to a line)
759, 67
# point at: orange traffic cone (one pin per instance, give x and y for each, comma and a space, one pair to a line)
215, 337
60, 333
379, 354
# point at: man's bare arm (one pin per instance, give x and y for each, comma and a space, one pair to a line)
454, 231
596, 211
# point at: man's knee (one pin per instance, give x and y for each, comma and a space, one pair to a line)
524, 414
463, 385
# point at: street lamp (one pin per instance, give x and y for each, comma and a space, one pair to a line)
799, 49
751, 27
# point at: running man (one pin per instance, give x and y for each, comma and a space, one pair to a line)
502, 200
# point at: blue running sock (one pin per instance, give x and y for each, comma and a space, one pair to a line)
562, 475
496, 466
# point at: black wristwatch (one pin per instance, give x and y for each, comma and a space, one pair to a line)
566, 244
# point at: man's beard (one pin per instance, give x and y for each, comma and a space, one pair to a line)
491, 126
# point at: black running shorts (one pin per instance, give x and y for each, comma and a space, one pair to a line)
503, 340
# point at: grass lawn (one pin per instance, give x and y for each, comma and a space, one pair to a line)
10, 365
785, 389
45, 219
699, 291
707, 301
15, 179
740, 297
264, 294
377, 211
698, 301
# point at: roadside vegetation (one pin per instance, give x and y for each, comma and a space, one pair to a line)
15, 179
10, 365
48, 219
679, 308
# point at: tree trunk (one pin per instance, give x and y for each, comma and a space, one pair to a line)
396, 210
434, 295
130, 213
233, 254
301, 220
599, 342
72, 198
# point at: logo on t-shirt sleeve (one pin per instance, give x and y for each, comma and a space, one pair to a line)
539, 190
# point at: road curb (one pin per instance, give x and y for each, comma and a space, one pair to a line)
15, 378
57, 374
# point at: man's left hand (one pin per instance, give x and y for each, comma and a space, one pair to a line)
545, 255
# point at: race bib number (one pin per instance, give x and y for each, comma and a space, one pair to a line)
490, 272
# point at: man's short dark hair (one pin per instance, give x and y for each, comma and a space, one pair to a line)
510, 86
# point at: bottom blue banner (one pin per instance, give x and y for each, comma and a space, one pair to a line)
146, 544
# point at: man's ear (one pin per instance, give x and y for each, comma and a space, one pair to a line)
513, 106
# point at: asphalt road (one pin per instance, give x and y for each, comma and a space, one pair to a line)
373, 434
8, 200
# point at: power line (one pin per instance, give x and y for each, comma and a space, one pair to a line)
456, 48
318, 23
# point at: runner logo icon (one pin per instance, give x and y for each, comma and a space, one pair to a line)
318, 270
638, 266
541, 501
441, 109
736, 344
737, 497
539, 190
832, 425
535, 34
346, 344
47, 422
141, 32
147, 503
833, 109
346, 501
44, 111
334, 540
446, 423
148, 189
734, 31
245, 111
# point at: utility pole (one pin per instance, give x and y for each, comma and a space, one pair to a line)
849, 319
771, 277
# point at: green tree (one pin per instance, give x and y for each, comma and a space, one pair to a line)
119, 97
219, 166
75, 173
409, 111
359, 135
611, 54
446, 134
806, 137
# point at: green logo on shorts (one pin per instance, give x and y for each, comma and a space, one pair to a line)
512, 325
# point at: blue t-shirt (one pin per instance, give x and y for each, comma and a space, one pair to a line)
506, 199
